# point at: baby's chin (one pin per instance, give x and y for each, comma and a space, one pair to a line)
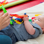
43, 32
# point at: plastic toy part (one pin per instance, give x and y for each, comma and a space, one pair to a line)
30, 20
17, 21
11, 22
24, 13
11, 17
18, 16
0, 7
4, 10
37, 14
3, 3
33, 18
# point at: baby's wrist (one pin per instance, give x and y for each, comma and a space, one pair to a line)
26, 21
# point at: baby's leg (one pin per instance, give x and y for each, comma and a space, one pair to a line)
5, 39
9, 32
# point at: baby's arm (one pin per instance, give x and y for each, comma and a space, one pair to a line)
28, 26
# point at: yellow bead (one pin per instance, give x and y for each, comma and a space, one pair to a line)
17, 21
37, 14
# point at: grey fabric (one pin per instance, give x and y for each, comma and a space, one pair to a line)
9, 32
37, 27
18, 31
22, 34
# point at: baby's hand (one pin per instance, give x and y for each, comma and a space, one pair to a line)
4, 20
25, 18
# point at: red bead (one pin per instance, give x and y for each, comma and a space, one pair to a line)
33, 17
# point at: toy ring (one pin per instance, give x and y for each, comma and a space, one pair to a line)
17, 21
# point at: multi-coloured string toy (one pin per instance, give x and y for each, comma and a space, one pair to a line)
18, 20
3, 3
12, 20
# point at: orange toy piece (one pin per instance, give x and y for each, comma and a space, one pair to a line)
3, 3
18, 16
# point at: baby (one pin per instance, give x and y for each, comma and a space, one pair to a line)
26, 30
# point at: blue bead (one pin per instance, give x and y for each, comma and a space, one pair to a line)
28, 16
11, 17
19, 19
24, 13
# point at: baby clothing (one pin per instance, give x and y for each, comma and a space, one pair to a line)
17, 32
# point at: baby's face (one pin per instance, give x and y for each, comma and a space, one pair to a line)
39, 20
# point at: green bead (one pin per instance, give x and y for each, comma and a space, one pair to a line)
0, 7
11, 22
4, 10
30, 20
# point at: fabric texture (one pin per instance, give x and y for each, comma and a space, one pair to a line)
18, 32
5, 39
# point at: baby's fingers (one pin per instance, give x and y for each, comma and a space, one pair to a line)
6, 18
7, 22
5, 15
5, 25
